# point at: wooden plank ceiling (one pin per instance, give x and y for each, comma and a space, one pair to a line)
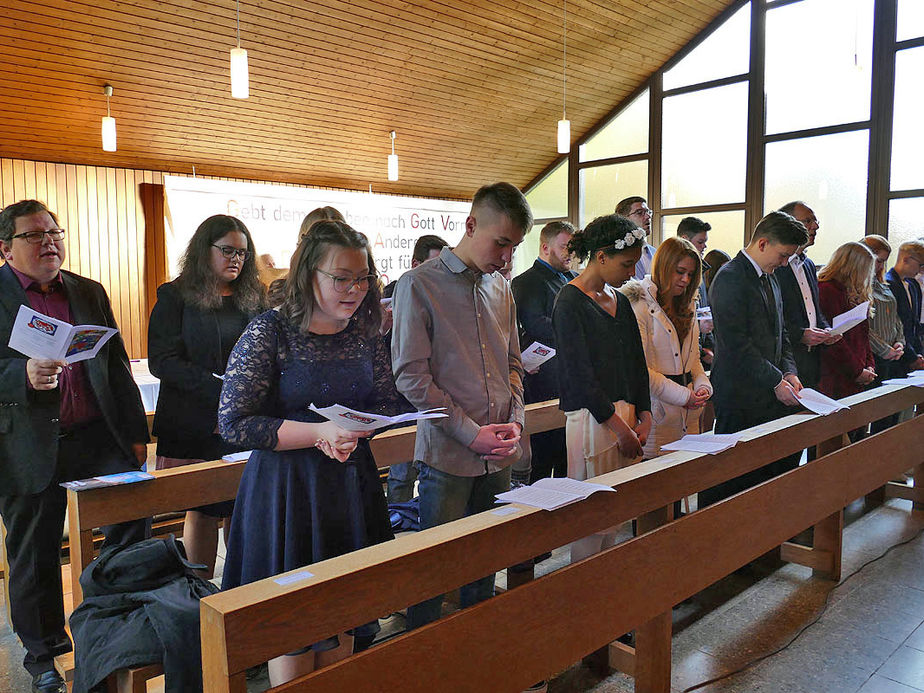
474, 89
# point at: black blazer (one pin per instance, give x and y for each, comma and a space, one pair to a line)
752, 348
29, 424
184, 350
534, 292
910, 315
796, 319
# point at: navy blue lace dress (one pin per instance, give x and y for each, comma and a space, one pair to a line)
299, 507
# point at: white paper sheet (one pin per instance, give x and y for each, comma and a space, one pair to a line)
550, 494
535, 355
915, 379
354, 420
238, 456
819, 403
39, 336
709, 443
853, 317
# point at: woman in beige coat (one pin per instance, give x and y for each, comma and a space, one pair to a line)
664, 305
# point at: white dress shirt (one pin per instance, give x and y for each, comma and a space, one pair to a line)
797, 263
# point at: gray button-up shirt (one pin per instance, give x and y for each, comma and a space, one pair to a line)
455, 345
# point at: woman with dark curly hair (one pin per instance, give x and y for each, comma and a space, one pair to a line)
602, 373
311, 489
196, 321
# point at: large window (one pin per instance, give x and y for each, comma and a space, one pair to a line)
829, 174
624, 135
905, 221
603, 186
549, 197
907, 136
704, 147
740, 134
724, 53
818, 64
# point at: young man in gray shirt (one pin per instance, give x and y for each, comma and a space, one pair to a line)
455, 345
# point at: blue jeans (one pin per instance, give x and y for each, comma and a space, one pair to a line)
401, 479
446, 497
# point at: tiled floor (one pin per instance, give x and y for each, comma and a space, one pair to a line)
870, 639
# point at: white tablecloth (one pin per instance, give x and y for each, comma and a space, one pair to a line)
147, 384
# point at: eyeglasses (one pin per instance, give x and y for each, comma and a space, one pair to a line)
38, 237
230, 251
344, 284
643, 212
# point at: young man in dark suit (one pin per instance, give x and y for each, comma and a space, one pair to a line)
535, 291
754, 376
806, 325
907, 292
58, 422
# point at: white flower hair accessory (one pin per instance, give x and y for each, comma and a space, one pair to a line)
630, 238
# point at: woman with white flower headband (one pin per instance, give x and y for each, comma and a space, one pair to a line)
603, 376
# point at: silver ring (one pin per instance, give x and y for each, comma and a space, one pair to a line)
51, 379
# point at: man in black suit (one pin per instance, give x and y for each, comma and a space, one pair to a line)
806, 325
754, 376
58, 422
535, 291
907, 292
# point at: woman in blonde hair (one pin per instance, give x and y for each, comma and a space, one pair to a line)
664, 306
847, 366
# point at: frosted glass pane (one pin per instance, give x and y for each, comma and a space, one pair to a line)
704, 147
601, 187
907, 139
727, 231
549, 197
819, 58
723, 54
906, 221
829, 174
625, 134
910, 19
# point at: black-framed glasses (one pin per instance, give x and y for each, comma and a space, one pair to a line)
643, 212
38, 237
344, 284
229, 252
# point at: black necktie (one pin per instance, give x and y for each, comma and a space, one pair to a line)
768, 292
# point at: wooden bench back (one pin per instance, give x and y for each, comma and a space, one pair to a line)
530, 632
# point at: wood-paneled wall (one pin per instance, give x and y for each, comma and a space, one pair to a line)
101, 209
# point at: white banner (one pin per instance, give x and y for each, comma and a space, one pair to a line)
273, 214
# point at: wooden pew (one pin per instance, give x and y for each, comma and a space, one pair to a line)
533, 631
200, 484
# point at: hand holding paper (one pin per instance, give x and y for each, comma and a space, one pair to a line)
853, 317
535, 355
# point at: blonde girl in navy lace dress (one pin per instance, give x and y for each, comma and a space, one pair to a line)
311, 490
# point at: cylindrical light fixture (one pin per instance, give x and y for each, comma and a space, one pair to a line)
392, 159
564, 136
109, 125
564, 125
240, 74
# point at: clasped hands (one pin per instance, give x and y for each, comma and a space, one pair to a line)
496, 442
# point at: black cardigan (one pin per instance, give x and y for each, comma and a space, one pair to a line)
185, 348
600, 357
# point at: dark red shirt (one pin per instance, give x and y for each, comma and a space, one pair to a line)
78, 403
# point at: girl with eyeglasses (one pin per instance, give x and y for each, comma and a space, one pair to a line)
196, 321
311, 490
